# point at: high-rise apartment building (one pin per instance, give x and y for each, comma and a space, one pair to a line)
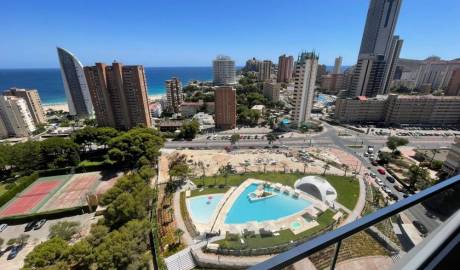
174, 95
225, 107
453, 88
16, 117
379, 50
224, 70
75, 86
285, 68
452, 164
332, 83
33, 102
304, 87
119, 95
272, 91
251, 65
265, 70
338, 65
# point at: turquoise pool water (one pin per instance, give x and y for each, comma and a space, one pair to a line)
281, 205
201, 208
296, 225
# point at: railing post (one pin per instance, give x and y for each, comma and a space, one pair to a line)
336, 254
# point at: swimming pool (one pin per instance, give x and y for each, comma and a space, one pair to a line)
281, 205
201, 208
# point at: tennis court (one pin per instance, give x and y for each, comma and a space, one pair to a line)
31, 198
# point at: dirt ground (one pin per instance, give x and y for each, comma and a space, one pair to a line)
251, 160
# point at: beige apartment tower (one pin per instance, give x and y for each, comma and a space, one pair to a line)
33, 102
119, 95
285, 68
272, 91
174, 95
225, 107
304, 87
453, 88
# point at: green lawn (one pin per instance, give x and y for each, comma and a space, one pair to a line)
207, 190
285, 236
347, 188
2, 188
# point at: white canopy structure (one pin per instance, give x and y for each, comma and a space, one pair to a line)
318, 187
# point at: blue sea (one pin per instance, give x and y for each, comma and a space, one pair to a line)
49, 84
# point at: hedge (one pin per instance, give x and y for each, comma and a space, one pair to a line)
22, 183
53, 214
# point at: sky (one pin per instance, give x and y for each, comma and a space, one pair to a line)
192, 32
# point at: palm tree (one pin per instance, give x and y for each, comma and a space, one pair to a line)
434, 151
178, 233
326, 167
284, 167
271, 138
345, 167
305, 165
265, 167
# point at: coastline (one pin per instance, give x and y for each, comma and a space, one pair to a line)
63, 106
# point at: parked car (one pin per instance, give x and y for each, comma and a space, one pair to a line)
381, 171
393, 196
379, 182
30, 226
374, 162
387, 190
420, 227
399, 188
390, 179
3, 227
39, 224
373, 175
14, 252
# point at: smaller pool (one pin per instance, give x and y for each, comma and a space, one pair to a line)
201, 208
296, 225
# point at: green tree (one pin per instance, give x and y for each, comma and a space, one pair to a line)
326, 167
178, 233
97, 234
5, 157
129, 147
80, 255
234, 138
64, 229
178, 168
394, 142
418, 176
46, 254
271, 138
189, 129
384, 157
25, 157
58, 152
225, 171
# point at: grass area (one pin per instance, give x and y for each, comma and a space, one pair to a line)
186, 217
355, 146
2, 188
285, 236
87, 163
206, 191
346, 187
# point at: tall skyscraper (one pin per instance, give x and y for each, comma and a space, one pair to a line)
174, 95
33, 102
304, 87
16, 117
265, 70
338, 65
251, 65
224, 70
379, 50
285, 68
272, 91
119, 95
75, 86
225, 107
453, 88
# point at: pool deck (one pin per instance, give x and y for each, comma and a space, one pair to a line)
206, 227
283, 223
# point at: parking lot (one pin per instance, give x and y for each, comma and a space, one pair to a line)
408, 131
36, 237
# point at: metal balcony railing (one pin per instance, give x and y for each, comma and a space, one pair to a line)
336, 236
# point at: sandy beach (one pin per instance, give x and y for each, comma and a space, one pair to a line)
65, 107
56, 107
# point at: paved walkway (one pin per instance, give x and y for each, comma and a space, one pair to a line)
366, 263
186, 237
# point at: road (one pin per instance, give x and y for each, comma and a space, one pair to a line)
329, 137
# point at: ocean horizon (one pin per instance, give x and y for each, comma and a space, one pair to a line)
49, 83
